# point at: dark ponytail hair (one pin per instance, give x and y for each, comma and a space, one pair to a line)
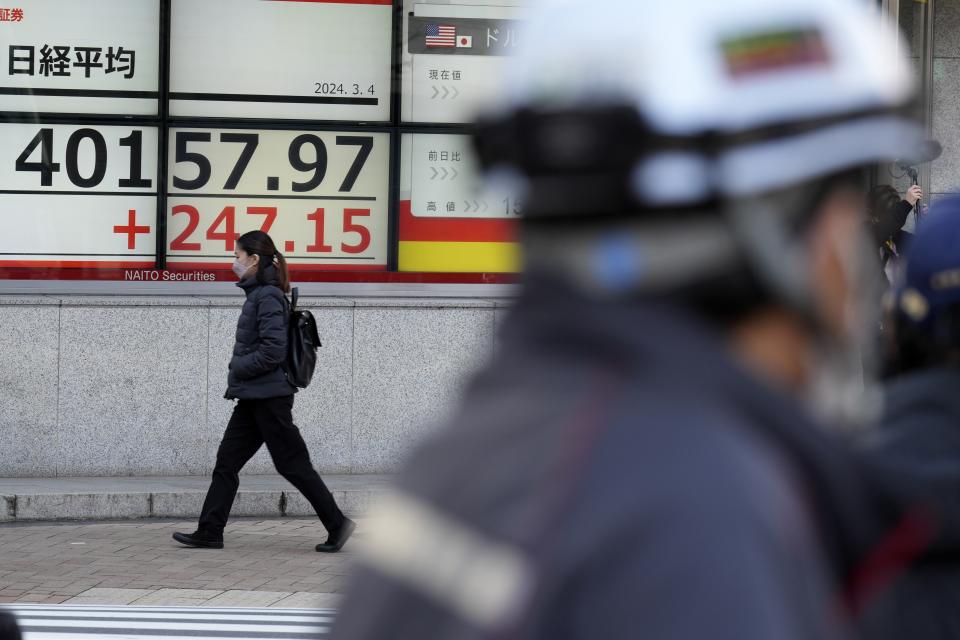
881, 200
259, 243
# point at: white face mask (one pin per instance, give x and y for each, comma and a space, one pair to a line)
239, 268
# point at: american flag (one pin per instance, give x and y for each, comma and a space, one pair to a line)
441, 35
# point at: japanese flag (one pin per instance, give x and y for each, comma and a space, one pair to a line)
464, 42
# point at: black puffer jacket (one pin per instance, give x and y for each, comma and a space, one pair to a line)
256, 369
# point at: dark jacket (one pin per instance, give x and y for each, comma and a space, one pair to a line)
256, 369
888, 235
614, 474
918, 447
888, 225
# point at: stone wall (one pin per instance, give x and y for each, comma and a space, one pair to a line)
945, 176
128, 385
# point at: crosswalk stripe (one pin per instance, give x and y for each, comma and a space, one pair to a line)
124, 636
121, 609
180, 617
79, 622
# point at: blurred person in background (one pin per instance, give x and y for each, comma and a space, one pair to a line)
886, 215
918, 445
638, 460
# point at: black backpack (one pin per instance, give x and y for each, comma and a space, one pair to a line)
302, 344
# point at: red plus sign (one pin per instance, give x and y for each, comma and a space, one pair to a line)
131, 229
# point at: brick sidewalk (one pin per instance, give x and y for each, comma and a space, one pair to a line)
265, 563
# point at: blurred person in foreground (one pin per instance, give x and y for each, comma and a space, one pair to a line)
919, 442
9, 630
638, 461
887, 214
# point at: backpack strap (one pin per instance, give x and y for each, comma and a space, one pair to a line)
294, 296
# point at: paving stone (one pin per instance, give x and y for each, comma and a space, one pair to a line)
303, 600
103, 563
177, 597
240, 598
99, 595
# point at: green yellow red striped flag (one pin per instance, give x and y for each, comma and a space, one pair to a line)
772, 51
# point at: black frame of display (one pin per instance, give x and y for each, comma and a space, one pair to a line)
163, 122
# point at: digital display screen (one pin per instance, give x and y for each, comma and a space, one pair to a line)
454, 54
64, 56
449, 222
78, 195
140, 138
322, 196
317, 60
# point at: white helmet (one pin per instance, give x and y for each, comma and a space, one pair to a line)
783, 90
675, 109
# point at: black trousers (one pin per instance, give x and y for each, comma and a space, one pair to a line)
253, 423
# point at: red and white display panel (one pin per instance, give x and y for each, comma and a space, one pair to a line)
450, 221
77, 195
321, 195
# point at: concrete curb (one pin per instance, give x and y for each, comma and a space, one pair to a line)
52, 499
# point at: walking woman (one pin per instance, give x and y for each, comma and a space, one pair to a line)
263, 413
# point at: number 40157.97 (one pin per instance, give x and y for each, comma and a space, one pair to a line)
224, 227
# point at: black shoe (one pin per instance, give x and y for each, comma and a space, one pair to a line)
199, 539
336, 540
